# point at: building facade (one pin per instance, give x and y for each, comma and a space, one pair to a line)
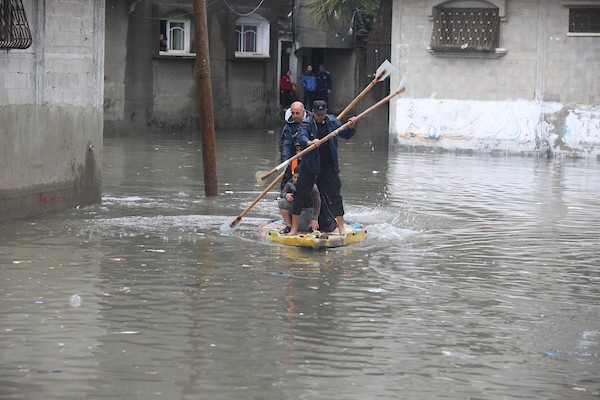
154, 90
508, 76
51, 96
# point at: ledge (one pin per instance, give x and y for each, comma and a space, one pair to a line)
583, 34
497, 53
251, 56
171, 55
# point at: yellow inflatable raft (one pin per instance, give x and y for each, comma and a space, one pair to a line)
355, 232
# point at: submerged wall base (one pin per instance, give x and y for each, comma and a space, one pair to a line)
50, 159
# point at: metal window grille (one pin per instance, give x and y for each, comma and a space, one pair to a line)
14, 29
380, 39
584, 20
465, 29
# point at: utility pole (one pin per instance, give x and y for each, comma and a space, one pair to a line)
206, 104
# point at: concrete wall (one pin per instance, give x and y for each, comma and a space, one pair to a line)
51, 110
540, 98
151, 93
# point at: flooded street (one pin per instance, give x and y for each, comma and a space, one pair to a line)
479, 279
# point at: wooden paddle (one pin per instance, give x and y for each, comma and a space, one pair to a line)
383, 71
225, 227
284, 164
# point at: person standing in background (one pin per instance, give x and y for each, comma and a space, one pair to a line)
309, 84
324, 84
285, 90
163, 43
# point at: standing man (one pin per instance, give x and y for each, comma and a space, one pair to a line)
309, 84
289, 138
321, 162
324, 84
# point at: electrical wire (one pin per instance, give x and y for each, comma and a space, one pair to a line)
244, 15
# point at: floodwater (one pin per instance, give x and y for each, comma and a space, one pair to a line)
479, 279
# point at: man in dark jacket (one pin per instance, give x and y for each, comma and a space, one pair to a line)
321, 162
324, 84
289, 137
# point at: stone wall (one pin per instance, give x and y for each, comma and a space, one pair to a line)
51, 97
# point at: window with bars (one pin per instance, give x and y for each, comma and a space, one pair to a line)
14, 29
584, 20
465, 30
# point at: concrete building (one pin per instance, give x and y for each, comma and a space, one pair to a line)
508, 76
51, 97
149, 90
154, 91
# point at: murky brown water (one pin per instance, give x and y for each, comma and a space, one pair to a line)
479, 280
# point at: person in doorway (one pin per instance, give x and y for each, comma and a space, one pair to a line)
324, 84
289, 137
163, 43
293, 94
285, 89
321, 162
309, 85
309, 215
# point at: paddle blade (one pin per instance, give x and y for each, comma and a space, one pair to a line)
403, 85
228, 226
385, 66
259, 175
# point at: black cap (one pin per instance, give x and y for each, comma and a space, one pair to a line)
319, 107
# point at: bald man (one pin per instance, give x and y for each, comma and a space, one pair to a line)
289, 137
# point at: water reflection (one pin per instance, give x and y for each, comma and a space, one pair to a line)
475, 268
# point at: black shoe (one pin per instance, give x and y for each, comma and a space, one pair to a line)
285, 230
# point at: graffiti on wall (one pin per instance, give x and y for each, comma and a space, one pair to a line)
263, 92
223, 103
184, 125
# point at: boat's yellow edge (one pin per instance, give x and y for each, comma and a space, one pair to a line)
316, 239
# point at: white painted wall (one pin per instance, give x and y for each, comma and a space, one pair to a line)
519, 126
541, 97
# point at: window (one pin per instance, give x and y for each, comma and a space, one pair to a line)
584, 20
246, 38
14, 29
177, 35
252, 37
465, 29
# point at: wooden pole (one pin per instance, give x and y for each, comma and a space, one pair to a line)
206, 105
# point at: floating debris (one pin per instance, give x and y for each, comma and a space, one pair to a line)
75, 300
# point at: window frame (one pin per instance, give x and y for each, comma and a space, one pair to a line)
169, 35
580, 8
466, 51
580, 4
262, 36
242, 34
